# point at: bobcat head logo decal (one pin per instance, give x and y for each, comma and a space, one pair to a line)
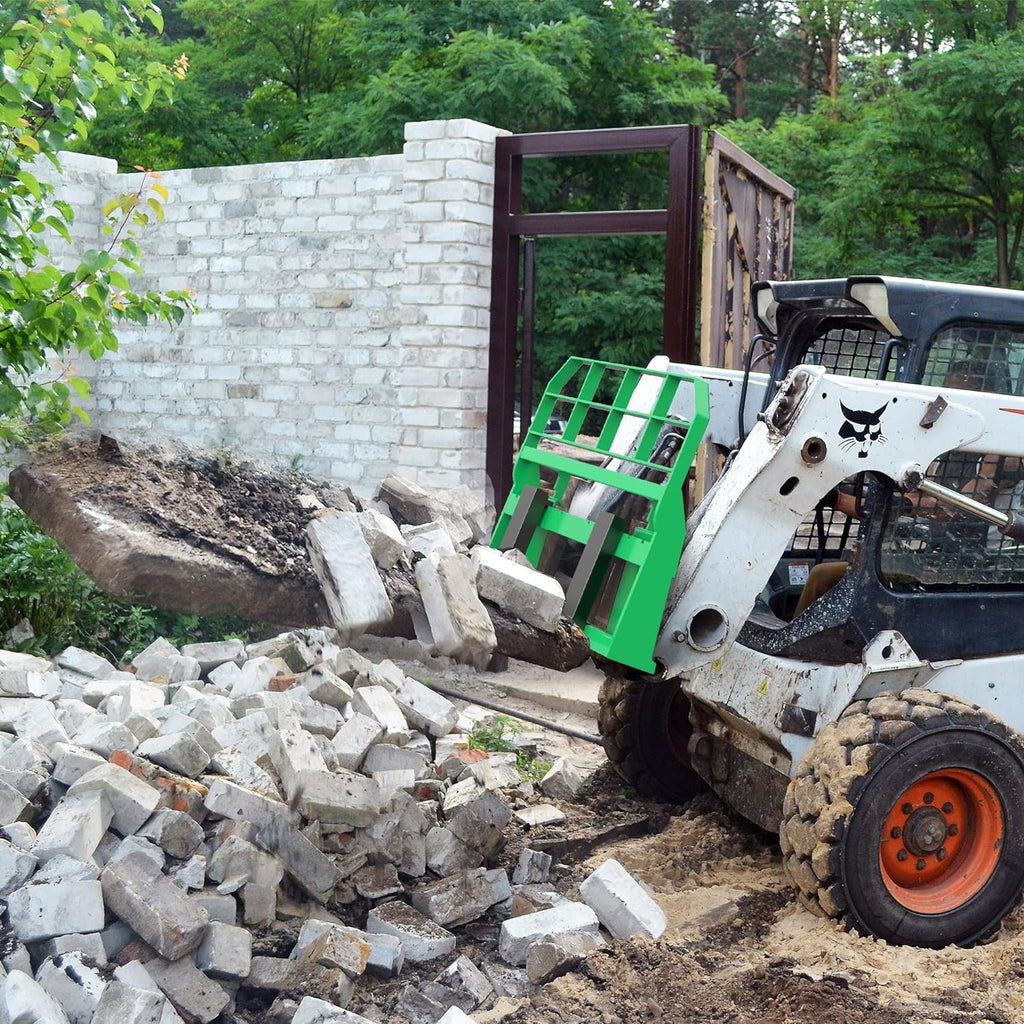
861, 428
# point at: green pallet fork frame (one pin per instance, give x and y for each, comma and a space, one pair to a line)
645, 559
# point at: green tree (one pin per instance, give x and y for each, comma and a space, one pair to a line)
56, 61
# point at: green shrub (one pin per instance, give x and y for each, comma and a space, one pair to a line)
40, 582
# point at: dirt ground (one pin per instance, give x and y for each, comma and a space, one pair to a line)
738, 949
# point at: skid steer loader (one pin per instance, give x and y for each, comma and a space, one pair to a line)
876, 438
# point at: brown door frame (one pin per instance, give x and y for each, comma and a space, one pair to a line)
680, 223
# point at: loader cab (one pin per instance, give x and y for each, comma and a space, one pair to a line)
908, 570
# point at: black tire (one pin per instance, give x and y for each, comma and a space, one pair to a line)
906, 819
645, 728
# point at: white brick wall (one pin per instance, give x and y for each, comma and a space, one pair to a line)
343, 310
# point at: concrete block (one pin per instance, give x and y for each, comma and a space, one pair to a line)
324, 686
292, 752
453, 1015
121, 1003
237, 862
463, 897
24, 1001
177, 752
335, 798
131, 799
562, 781
621, 902
422, 939
428, 540
39, 912
459, 623
142, 725
253, 677
552, 957
191, 874
214, 653
75, 983
259, 904
387, 957
467, 982
211, 711
19, 682
318, 1011
298, 649
133, 696
28, 784
133, 846
229, 800
19, 834
533, 866
246, 735
16, 867
72, 762
225, 676
280, 975
13, 806
424, 708
352, 741
38, 724
519, 933
521, 591
245, 772
344, 564
499, 771
218, 906
225, 952
72, 715
74, 828
188, 988
340, 947
539, 815
66, 869
176, 833
104, 738
84, 662
176, 723
378, 704
90, 945
387, 547
313, 872
446, 853
386, 757
153, 907
423, 1003
476, 816
349, 665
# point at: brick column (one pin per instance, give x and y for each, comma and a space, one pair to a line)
445, 300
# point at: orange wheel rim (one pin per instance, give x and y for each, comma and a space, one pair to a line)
941, 841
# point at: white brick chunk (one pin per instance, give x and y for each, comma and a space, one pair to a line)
422, 939
74, 983
121, 1003
459, 623
74, 828
225, 952
131, 800
351, 584
352, 741
378, 704
622, 903
24, 1000
518, 933
40, 912
518, 589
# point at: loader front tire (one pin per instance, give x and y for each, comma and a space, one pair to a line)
906, 819
645, 728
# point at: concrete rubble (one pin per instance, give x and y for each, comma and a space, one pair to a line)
273, 832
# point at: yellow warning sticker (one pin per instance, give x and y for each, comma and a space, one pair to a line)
762, 687
717, 666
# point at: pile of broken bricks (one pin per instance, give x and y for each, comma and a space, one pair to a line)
275, 833
440, 537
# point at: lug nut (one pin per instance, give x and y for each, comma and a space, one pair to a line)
896, 832
941, 854
907, 808
920, 865
954, 830
902, 855
929, 797
947, 808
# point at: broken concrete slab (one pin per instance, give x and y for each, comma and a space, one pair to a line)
344, 564
621, 902
459, 623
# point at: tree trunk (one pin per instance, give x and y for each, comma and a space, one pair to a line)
740, 71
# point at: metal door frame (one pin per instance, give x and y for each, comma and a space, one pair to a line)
680, 223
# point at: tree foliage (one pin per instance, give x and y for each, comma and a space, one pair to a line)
56, 61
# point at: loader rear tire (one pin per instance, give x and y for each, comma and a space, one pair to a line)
906, 819
645, 728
